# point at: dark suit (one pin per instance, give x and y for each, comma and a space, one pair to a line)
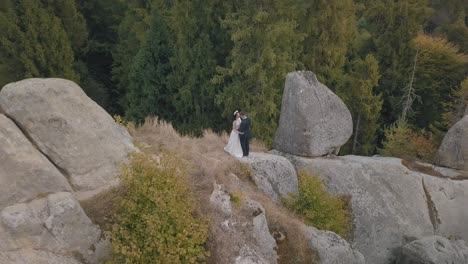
244, 128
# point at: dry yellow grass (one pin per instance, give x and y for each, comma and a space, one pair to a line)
208, 164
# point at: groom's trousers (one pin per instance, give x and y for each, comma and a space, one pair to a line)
244, 140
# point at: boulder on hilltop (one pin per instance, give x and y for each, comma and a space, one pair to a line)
391, 204
314, 121
75, 133
273, 174
453, 152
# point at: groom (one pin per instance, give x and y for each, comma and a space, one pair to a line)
244, 133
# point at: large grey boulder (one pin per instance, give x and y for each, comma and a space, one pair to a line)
55, 223
32, 256
449, 200
76, 134
331, 248
434, 250
313, 121
24, 172
273, 174
388, 201
453, 152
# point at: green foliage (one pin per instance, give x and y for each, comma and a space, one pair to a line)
457, 105
358, 93
393, 25
329, 27
131, 34
403, 142
266, 47
319, 208
440, 69
193, 65
148, 91
102, 19
237, 198
34, 42
155, 222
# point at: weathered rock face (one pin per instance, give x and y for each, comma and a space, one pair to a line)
314, 121
388, 201
274, 175
434, 250
31, 256
250, 241
24, 172
77, 135
56, 223
453, 151
450, 200
332, 249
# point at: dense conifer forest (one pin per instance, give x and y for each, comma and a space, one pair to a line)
400, 66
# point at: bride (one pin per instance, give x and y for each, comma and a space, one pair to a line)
234, 147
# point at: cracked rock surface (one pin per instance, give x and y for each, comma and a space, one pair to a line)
389, 204
434, 250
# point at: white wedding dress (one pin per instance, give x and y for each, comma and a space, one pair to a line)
233, 146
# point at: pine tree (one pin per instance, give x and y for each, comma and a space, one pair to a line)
131, 34
72, 21
34, 42
266, 47
329, 27
193, 65
393, 25
102, 19
148, 93
359, 95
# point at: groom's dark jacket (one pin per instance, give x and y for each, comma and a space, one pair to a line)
245, 127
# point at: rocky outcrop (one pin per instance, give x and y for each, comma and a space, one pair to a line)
388, 201
274, 175
24, 172
56, 223
434, 250
313, 121
246, 227
32, 256
77, 135
453, 152
332, 249
450, 200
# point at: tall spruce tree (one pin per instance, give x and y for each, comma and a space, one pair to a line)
102, 19
358, 92
393, 25
148, 93
194, 63
266, 47
34, 42
329, 27
440, 69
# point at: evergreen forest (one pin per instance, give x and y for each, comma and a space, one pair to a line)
399, 65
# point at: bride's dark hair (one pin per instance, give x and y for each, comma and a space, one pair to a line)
234, 116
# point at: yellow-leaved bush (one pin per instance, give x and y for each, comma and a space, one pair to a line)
155, 221
320, 209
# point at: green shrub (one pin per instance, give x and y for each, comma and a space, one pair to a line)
237, 198
403, 142
320, 209
154, 222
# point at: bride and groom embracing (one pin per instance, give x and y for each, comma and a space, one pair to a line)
238, 144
